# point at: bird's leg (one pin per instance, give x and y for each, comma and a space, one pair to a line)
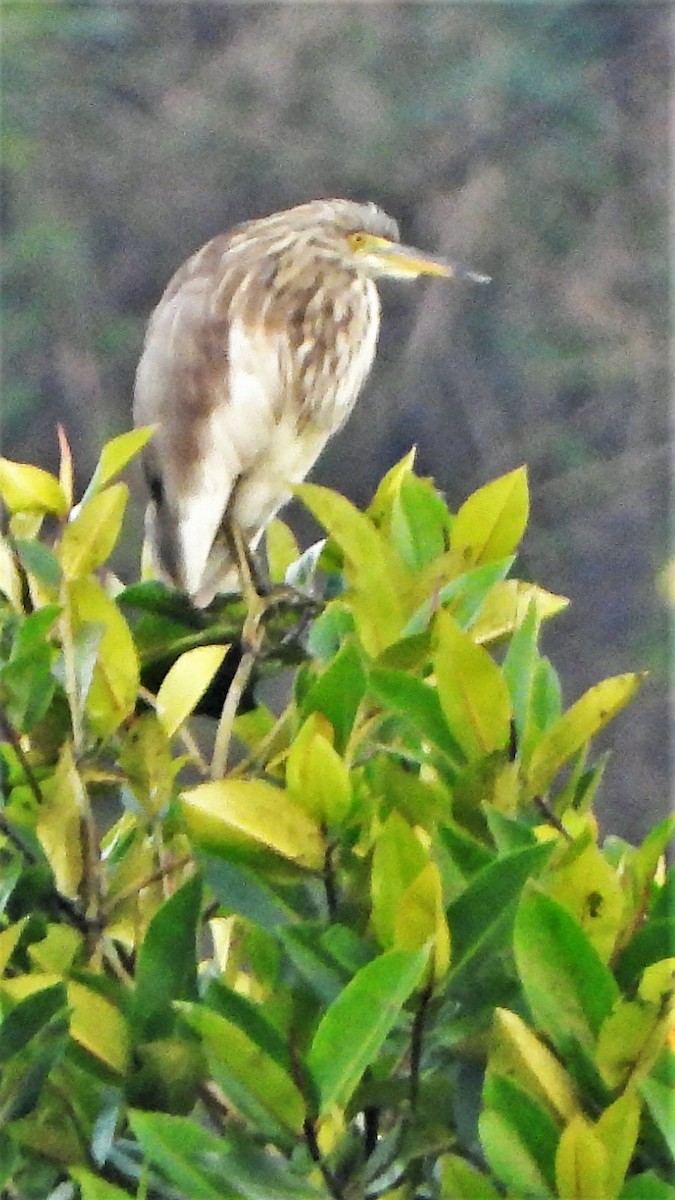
252, 635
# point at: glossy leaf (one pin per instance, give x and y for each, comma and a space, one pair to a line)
491, 522
316, 776
421, 921
25, 488
205, 1167
617, 1129
506, 607
577, 726
568, 988
519, 1054
581, 1165
185, 683
233, 817
92, 1187
114, 687
114, 457
167, 964
418, 703
59, 824
592, 892
471, 689
338, 692
419, 522
281, 548
369, 1007
634, 1033
460, 1180
398, 858
252, 1081
519, 1139
89, 537
368, 560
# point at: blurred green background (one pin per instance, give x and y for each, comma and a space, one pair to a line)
528, 140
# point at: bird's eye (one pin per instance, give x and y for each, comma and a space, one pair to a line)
357, 241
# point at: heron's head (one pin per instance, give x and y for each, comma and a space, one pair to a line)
365, 239
355, 237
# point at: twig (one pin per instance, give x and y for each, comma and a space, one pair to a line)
329, 883
551, 818
221, 747
416, 1043
317, 1157
10, 733
159, 873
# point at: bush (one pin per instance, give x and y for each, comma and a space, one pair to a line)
385, 952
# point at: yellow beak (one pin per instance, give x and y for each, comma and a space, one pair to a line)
407, 262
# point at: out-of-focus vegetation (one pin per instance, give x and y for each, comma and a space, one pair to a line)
529, 141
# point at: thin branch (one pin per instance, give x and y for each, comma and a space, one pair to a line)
317, 1157
547, 812
221, 748
417, 1042
329, 883
11, 735
171, 865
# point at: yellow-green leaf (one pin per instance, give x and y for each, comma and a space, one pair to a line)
591, 890
282, 549
98, 1026
234, 816
244, 1070
577, 726
10, 580
380, 508
506, 605
90, 536
471, 689
617, 1129
635, 1032
8, 942
114, 687
95, 1022
491, 522
316, 776
420, 919
374, 574
580, 1163
59, 823
518, 1054
115, 455
185, 683
398, 858
28, 489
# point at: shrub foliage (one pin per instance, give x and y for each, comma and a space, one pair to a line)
384, 952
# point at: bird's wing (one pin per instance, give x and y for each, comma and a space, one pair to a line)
214, 387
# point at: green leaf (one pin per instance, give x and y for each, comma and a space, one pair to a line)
419, 522
519, 1138
481, 916
205, 1167
146, 760
316, 777
252, 1080
92, 1187
167, 962
647, 1186
25, 1020
185, 683
338, 693
463, 596
369, 1008
245, 892
281, 548
471, 689
461, 1181
519, 667
418, 704
577, 726
89, 537
660, 1100
491, 522
568, 988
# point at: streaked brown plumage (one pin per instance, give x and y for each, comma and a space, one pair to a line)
253, 358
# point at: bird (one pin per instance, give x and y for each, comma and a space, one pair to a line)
253, 358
